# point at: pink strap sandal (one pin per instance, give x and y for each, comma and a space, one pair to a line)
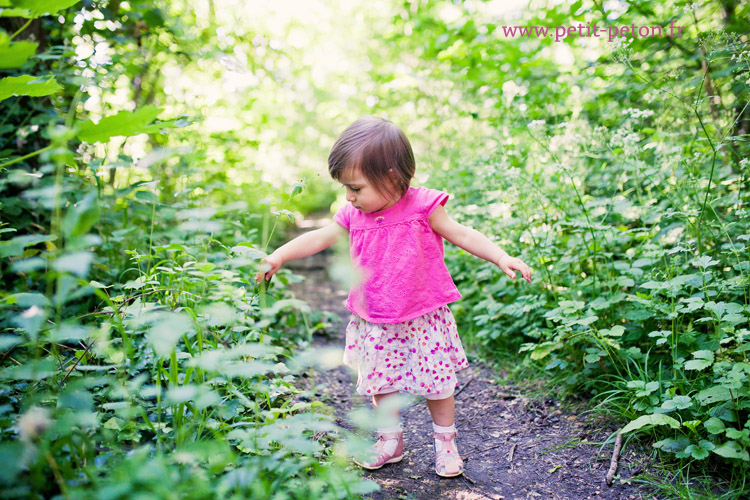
381, 456
448, 462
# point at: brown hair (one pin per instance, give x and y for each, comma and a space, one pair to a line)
375, 146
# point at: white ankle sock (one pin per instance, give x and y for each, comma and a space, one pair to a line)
441, 429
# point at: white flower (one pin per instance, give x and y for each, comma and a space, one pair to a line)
33, 423
537, 124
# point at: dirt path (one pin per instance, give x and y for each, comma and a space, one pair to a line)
514, 447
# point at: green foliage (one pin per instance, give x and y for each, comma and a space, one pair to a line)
138, 358
621, 177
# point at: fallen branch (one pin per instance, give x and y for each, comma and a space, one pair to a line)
615, 458
512, 451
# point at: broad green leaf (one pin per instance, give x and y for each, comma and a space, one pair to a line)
28, 299
704, 261
658, 419
615, 331
732, 449
704, 359
677, 403
673, 445
68, 332
16, 246
38, 8
543, 350
81, 216
123, 123
77, 263
166, 330
246, 251
33, 86
15, 54
587, 320
714, 426
713, 394
9, 341
219, 314
31, 320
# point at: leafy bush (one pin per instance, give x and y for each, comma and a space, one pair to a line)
138, 359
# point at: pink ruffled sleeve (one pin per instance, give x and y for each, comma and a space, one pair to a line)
343, 215
431, 198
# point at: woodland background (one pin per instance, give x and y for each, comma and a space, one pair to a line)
151, 152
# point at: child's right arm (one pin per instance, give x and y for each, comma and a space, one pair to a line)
303, 245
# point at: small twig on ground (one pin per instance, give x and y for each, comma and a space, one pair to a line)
464, 387
468, 478
615, 458
512, 451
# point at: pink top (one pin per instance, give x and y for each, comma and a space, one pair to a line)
400, 258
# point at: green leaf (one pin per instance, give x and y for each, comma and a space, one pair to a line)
714, 426
81, 216
16, 246
166, 330
658, 419
587, 320
704, 359
713, 394
677, 403
8, 341
732, 449
15, 54
38, 8
615, 331
543, 350
77, 263
219, 314
123, 123
33, 86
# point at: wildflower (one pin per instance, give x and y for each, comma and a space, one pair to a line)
537, 124
33, 423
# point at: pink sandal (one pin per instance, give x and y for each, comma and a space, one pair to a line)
448, 462
381, 456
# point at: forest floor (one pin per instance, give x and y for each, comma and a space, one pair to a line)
514, 445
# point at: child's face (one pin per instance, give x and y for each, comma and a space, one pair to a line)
362, 194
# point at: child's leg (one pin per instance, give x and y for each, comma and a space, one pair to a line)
377, 400
448, 462
390, 445
443, 411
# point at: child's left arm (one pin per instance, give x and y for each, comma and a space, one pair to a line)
476, 243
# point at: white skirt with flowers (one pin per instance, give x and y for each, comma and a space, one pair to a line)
420, 356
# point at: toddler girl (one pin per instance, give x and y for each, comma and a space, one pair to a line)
401, 335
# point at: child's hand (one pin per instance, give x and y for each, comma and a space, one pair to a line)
268, 267
511, 264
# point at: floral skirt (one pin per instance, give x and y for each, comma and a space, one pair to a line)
420, 356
